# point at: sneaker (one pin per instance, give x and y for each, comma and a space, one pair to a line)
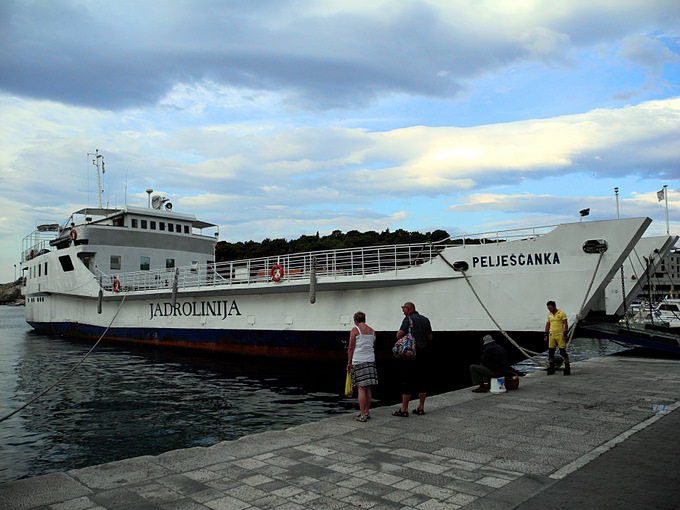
362, 419
481, 389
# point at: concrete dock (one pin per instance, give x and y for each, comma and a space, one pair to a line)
604, 437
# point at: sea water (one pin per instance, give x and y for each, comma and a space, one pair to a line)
123, 402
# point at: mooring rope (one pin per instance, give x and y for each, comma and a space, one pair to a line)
579, 316
527, 352
70, 371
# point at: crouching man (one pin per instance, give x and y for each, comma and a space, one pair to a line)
494, 363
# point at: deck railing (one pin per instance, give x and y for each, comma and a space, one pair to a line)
360, 261
298, 266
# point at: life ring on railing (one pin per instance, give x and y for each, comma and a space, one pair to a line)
116, 286
73, 235
276, 273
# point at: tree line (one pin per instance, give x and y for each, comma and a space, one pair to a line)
334, 241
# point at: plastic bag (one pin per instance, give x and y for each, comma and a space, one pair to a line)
349, 390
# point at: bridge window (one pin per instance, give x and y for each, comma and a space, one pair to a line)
66, 263
134, 222
143, 223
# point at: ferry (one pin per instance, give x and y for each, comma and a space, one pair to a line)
148, 275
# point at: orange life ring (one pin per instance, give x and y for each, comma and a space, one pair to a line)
73, 235
116, 286
276, 273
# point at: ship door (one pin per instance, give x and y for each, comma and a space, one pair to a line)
88, 260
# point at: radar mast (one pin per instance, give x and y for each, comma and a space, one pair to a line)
98, 162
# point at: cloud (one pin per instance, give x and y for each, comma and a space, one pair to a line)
647, 52
330, 55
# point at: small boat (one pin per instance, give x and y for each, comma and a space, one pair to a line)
668, 311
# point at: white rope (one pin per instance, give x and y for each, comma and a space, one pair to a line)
70, 371
578, 315
524, 351
527, 352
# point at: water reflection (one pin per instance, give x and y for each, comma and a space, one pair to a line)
579, 349
124, 403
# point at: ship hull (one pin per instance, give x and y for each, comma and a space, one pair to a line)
498, 285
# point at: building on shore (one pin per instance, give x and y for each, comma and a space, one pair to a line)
665, 282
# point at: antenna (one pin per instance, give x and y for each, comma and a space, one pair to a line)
98, 159
149, 191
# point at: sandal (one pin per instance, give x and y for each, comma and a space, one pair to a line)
401, 413
418, 411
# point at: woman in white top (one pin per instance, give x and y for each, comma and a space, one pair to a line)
361, 362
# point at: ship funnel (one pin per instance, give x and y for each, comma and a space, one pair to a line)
460, 265
595, 246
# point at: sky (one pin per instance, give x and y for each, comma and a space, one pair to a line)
282, 118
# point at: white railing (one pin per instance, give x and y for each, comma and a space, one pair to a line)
298, 266
294, 267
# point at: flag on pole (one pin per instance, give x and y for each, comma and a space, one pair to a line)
660, 195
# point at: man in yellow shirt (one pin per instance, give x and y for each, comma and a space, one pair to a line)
556, 334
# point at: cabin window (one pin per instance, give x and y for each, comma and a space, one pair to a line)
186, 229
145, 263
152, 225
134, 222
171, 227
161, 225
66, 263
143, 223
45, 268
39, 270
169, 263
179, 228
115, 262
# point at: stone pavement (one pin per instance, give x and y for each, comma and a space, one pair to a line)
602, 438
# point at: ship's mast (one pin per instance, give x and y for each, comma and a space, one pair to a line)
97, 161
